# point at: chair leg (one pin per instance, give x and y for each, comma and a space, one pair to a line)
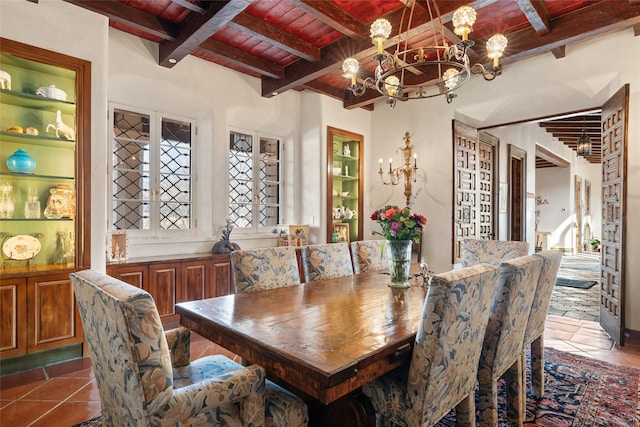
523, 361
514, 391
488, 402
537, 366
466, 412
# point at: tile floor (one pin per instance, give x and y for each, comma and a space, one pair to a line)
65, 394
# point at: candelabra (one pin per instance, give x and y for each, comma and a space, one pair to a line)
406, 171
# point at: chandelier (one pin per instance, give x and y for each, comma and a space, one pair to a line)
584, 142
425, 71
405, 171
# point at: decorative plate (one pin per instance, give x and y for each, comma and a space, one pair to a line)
21, 247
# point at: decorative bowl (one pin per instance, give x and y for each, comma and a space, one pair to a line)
344, 193
337, 171
21, 162
52, 92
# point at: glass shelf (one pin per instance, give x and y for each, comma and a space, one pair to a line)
34, 176
337, 157
27, 100
46, 141
345, 177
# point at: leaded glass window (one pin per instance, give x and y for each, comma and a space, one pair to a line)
152, 172
254, 181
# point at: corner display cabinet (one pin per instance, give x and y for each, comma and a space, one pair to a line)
44, 200
344, 185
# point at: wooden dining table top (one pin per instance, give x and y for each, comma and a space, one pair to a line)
323, 339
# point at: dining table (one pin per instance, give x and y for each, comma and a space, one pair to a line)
321, 340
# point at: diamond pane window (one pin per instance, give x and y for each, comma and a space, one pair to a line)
151, 172
254, 181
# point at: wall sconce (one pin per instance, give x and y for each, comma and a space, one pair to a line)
406, 171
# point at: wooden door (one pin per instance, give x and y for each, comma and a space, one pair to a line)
578, 204
162, 287
13, 317
615, 114
517, 193
474, 201
194, 281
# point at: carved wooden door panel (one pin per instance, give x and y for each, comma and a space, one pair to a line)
474, 187
614, 175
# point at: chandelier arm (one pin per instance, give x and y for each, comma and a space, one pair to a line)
489, 74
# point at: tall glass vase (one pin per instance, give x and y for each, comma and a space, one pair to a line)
399, 261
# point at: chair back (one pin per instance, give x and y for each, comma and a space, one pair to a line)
448, 343
368, 255
267, 268
476, 251
128, 349
514, 292
540, 306
326, 261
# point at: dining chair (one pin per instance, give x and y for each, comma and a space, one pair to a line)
266, 268
444, 362
144, 377
476, 251
368, 255
326, 261
503, 342
534, 332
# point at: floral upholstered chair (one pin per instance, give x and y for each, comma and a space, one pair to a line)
534, 333
503, 342
368, 256
259, 269
145, 379
476, 251
444, 362
326, 261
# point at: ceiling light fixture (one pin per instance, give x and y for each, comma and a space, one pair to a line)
584, 147
415, 72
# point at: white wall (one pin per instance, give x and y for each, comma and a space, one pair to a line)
541, 86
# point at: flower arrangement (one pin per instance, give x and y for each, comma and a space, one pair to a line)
399, 224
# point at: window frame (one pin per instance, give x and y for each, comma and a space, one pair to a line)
255, 229
155, 142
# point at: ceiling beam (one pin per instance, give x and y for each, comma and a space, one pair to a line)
333, 16
188, 5
537, 15
241, 58
551, 157
131, 17
275, 36
196, 28
559, 52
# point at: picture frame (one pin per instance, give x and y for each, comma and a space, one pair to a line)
117, 246
342, 232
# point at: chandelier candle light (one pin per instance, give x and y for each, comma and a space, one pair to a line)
425, 71
407, 171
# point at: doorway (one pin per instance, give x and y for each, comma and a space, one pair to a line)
517, 185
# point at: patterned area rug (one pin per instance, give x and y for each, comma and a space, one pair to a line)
579, 392
575, 283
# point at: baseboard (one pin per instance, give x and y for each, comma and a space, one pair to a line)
40, 358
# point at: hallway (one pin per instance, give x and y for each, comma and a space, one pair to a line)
575, 303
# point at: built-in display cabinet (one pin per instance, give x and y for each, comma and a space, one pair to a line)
44, 195
344, 185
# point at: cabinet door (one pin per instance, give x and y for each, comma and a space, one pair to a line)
220, 277
135, 275
194, 280
53, 317
162, 287
344, 185
13, 317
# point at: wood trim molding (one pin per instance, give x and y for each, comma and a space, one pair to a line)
551, 157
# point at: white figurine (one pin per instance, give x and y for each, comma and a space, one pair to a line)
5, 80
61, 128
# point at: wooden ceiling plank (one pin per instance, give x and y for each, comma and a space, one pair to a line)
537, 15
129, 16
196, 28
242, 58
551, 157
333, 16
276, 36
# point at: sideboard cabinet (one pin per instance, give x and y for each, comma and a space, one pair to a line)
44, 195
